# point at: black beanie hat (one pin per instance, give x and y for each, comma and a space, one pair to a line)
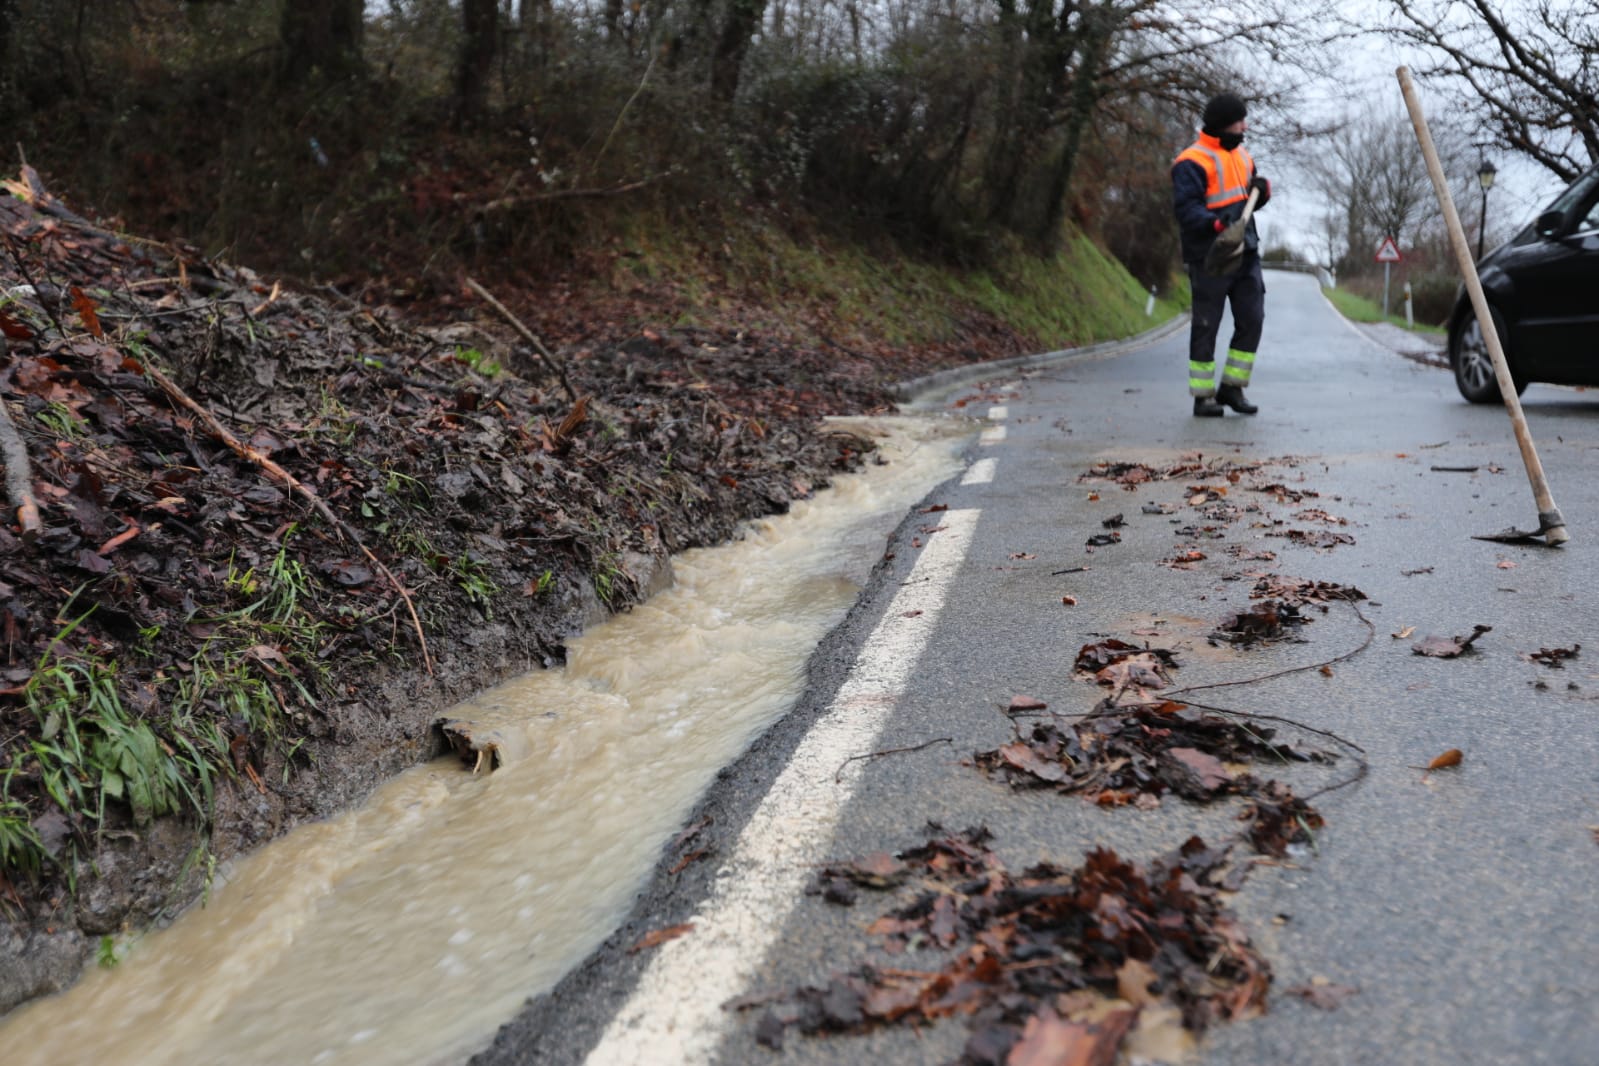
1222, 111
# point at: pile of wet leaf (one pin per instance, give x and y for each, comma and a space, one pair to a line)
1119, 664
1119, 756
1129, 475
1082, 961
1264, 623
1297, 592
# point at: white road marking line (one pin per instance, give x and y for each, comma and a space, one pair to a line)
675, 1014
981, 472
992, 435
998, 414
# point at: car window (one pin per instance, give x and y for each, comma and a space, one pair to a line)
1590, 222
1578, 192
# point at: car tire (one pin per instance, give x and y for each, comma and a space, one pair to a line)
1473, 365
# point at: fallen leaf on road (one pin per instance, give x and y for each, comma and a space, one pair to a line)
1505, 564
656, 937
1449, 758
1093, 657
1026, 703
1099, 540
1115, 521
1554, 657
1262, 623
1283, 493
1208, 771
1403, 634
1142, 670
1048, 1040
1299, 591
1322, 993
1070, 601
1315, 538
1326, 671
1449, 647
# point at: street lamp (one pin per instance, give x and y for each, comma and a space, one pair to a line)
1485, 178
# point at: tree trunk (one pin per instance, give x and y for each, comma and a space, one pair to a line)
727, 62
481, 23
320, 35
1096, 33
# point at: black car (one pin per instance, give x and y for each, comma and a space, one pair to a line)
1543, 290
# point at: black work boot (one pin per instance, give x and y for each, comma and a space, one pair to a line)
1233, 396
1207, 407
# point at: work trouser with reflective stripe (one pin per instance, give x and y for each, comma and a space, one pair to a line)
1246, 291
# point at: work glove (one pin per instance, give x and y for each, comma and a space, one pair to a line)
1258, 182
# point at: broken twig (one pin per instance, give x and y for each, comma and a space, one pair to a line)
839, 776
528, 335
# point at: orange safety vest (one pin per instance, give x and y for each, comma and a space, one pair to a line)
1226, 173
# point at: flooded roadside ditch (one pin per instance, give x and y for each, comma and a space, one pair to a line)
411, 928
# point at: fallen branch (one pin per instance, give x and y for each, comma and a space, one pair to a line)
222, 433
19, 473
538, 345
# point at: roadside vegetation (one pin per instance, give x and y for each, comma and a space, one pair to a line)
1358, 308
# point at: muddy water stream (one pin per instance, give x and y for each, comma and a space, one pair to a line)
407, 931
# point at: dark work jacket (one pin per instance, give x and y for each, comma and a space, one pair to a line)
1196, 223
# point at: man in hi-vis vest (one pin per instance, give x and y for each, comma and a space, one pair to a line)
1211, 180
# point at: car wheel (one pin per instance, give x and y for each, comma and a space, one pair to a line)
1474, 366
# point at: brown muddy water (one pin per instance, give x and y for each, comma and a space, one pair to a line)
409, 930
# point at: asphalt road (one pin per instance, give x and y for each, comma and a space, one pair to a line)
1460, 904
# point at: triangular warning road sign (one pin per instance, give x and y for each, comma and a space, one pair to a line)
1387, 251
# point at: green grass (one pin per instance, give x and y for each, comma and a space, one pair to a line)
1359, 309
93, 753
829, 285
